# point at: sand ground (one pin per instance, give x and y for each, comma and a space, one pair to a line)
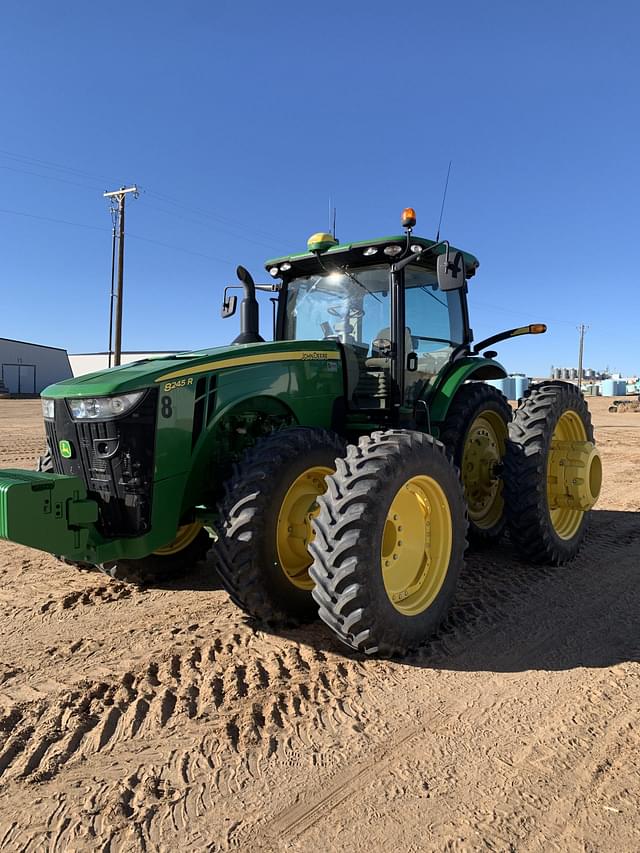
159, 719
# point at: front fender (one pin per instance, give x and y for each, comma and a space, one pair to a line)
445, 388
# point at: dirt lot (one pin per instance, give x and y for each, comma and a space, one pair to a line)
159, 719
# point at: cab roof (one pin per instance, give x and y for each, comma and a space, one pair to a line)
307, 262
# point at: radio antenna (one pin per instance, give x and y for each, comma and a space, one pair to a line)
444, 198
332, 217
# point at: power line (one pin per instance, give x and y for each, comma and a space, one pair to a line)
500, 310
240, 236
99, 181
47, 177
105, 230
51, 219
49, 164
224, 220
181, 249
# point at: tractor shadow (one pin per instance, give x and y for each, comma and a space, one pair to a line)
510, 616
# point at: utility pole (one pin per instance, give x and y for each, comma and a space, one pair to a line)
118, 198
582, 329
114, 240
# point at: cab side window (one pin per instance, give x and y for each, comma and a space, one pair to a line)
435, 324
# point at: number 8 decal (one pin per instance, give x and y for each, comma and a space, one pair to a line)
167, 410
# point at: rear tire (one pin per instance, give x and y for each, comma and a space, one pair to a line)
264, 531
390, 542
475, 433
548, 413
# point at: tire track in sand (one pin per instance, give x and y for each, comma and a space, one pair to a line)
235, 707
255, 702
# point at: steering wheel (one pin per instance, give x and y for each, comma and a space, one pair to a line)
352, 313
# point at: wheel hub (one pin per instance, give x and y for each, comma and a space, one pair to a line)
294, 531
483, 452
575, 475
416, 545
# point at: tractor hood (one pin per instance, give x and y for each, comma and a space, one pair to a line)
150, 372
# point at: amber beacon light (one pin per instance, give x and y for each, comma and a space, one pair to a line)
408, 217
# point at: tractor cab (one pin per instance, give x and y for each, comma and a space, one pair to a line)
396, 306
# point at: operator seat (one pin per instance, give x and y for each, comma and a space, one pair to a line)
379, 362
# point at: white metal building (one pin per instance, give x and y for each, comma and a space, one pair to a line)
26, 368
91, 362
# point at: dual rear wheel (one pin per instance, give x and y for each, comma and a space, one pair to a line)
372, 536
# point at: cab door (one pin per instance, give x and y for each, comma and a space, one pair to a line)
435, 326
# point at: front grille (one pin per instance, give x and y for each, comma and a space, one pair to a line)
116, 461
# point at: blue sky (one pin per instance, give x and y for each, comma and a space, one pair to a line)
238, 120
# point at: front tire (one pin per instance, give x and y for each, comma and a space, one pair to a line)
390, 541
265, 523
475, 433
552, 473
189, 548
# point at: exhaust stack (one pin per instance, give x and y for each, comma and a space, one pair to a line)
249, 311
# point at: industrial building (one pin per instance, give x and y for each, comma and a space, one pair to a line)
27, 368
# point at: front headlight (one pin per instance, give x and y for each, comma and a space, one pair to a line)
103, 408
48, 408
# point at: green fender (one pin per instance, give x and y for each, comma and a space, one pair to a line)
445, 387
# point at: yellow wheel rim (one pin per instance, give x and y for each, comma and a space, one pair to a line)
483, 451
565, 520
186, 535
294, 532
416, 545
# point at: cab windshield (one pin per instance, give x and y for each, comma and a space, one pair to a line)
352, 307
347, 306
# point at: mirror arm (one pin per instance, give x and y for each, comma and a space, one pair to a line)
413, 257
440, 243
403, 263
533, 329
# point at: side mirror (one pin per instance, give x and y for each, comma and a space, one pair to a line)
229, 306
450, 271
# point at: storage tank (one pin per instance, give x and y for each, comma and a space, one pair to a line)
521, 385
614, 388
506, 386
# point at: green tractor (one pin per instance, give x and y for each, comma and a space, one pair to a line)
337, 469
